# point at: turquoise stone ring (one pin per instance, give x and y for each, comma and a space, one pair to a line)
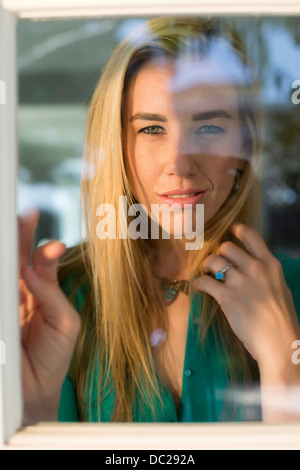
220, 275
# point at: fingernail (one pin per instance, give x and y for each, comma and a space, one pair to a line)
43, 241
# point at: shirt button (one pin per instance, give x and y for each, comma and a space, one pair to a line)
188, 372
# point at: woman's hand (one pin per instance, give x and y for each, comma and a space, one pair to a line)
49, 325
257, 304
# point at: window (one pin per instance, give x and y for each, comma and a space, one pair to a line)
38, 59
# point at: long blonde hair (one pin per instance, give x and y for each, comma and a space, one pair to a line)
122, 306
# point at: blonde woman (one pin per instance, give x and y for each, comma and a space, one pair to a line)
137, 327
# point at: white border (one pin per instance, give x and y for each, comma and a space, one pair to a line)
234, 436
10, 385
75, 8
109, 436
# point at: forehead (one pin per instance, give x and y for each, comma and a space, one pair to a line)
180, 87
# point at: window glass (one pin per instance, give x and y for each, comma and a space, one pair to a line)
59, 65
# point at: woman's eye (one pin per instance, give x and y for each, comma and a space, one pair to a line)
152, 130
210, 130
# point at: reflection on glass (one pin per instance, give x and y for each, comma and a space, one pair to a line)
59, 64
184, 115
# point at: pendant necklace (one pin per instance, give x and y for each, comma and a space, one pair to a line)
171, 289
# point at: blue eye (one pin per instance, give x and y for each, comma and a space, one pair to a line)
152, 130
210, 130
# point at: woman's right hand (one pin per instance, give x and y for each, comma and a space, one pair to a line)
49, 325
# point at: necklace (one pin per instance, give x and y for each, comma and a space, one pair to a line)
172, 288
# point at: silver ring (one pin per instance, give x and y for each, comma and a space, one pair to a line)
220, 275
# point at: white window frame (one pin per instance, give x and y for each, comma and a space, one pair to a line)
85, 435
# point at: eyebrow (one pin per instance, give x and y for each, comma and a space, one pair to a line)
218, 113
148, 117
202, 116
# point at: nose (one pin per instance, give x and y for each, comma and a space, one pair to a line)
180, 159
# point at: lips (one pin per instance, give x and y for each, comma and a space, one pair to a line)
182, 196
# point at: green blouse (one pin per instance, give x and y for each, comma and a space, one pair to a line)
206, 396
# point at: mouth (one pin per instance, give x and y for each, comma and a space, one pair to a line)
182, 197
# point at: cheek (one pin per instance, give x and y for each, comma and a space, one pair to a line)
224, 170
221, 172
223, 166
220, 157
226, 147
137, 160
141, 172
129, 159
219, 169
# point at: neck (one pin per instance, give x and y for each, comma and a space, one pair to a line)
171, 259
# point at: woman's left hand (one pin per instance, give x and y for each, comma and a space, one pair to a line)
254, 298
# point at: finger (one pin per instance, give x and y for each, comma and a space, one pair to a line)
215, 263
212, 287
46, 258
58, 311
235, 255
252, 240
27, 226
22, 291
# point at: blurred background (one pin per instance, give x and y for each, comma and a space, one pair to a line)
59, 64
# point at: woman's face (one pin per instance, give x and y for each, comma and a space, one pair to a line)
182, 144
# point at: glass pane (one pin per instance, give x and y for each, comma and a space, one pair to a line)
204, 113
59, 64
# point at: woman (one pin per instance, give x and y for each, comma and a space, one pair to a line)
175, 119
